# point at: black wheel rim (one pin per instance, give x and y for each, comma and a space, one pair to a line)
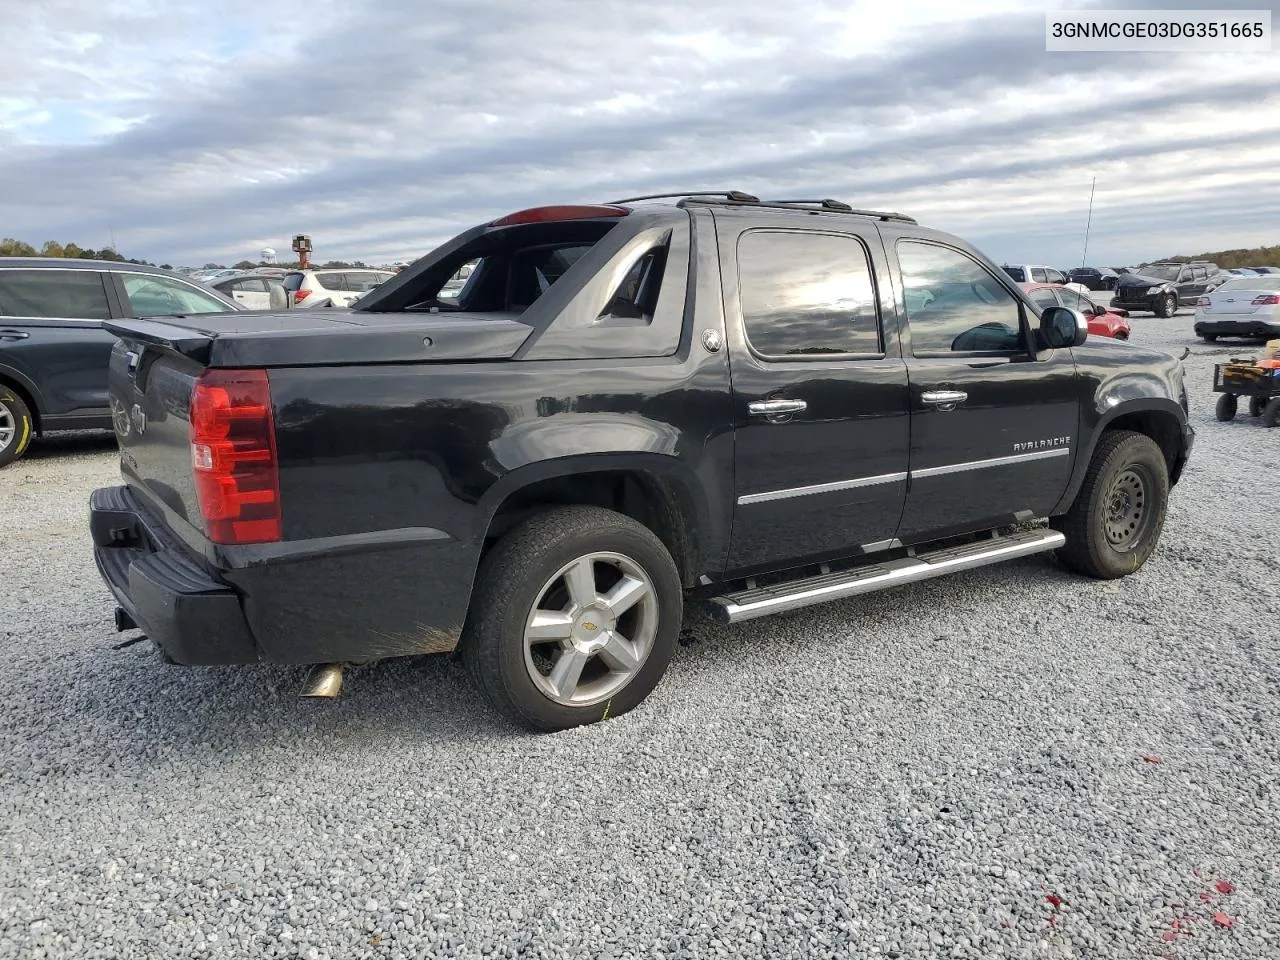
1127, 509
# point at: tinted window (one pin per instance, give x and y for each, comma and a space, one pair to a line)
953, 304
73, 294
1044, 298
806, 293
160, 296
332, 281
637, 295
1017, 273
292, 281
249, 285
535, 269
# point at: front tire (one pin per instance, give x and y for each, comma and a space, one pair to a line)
17, 427
1257, 405
574, 618
1271, 412
1225, 409
1166, 306
1118, 515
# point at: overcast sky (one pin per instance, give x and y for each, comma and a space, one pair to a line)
207, 129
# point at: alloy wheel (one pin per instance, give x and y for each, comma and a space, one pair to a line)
591, 629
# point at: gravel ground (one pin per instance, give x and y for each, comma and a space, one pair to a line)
1010, 762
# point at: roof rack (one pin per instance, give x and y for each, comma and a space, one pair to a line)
736, 195
739, 197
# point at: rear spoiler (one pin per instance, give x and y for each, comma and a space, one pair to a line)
193, 344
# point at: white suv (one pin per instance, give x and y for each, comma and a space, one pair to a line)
337, 286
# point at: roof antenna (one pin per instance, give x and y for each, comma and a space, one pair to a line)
1084, 256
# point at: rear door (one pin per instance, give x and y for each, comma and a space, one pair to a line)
51, 338
992, 424
250, 292
819, 394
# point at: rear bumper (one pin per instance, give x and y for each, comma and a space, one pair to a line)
192, 616
1237, 328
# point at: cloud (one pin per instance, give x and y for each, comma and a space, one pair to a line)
382, 128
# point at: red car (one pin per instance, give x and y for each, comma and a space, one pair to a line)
1103, 321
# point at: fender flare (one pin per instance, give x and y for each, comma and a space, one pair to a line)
1160, 405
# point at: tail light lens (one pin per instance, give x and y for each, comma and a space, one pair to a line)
233, 456
1267, 300
1202, 302
299, 295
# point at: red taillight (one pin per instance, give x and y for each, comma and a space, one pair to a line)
563, 212
1203, 302
233, 456
300, 295
1267, 300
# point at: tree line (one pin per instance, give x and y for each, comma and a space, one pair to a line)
1240, 257
10, 247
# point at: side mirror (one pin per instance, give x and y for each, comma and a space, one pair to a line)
1061, 327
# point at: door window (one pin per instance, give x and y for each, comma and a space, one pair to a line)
250, 285
161, 296
807, 294
1054, 276
1074, 301
1038, 275
954, 304
1044, 298
1199, 273
58, 294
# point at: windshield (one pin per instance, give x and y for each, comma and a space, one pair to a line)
1252, 283
1165, 271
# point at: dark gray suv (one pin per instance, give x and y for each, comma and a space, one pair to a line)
53, 349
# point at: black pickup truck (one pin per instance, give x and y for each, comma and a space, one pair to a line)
747, 405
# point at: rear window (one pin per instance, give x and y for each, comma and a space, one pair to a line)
806, 293
1017, 273
1264, 282
68, 294
332, 280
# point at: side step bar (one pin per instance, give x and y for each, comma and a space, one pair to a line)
762, 601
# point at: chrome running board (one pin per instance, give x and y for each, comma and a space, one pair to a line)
781, 597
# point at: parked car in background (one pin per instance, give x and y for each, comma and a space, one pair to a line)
1103, 321
53, 348
1265, 270
254, 291
1034, 273
1162, 287
1242, 272
338, 286
1094, 278
1241, 307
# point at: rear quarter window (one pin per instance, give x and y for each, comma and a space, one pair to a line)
69, 294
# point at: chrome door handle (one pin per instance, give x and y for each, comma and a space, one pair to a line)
772, 408
13, 335
944, 399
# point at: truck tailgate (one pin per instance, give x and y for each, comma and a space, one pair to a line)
316, 337
156, 363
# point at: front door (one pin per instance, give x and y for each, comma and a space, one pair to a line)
993, 423
819, 393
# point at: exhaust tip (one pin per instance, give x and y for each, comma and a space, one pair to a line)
324, 681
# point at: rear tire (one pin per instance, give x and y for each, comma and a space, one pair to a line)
1271, 412
1117, 517
1257, 405
1226, 407
1166, 306
17, 427
596, 649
